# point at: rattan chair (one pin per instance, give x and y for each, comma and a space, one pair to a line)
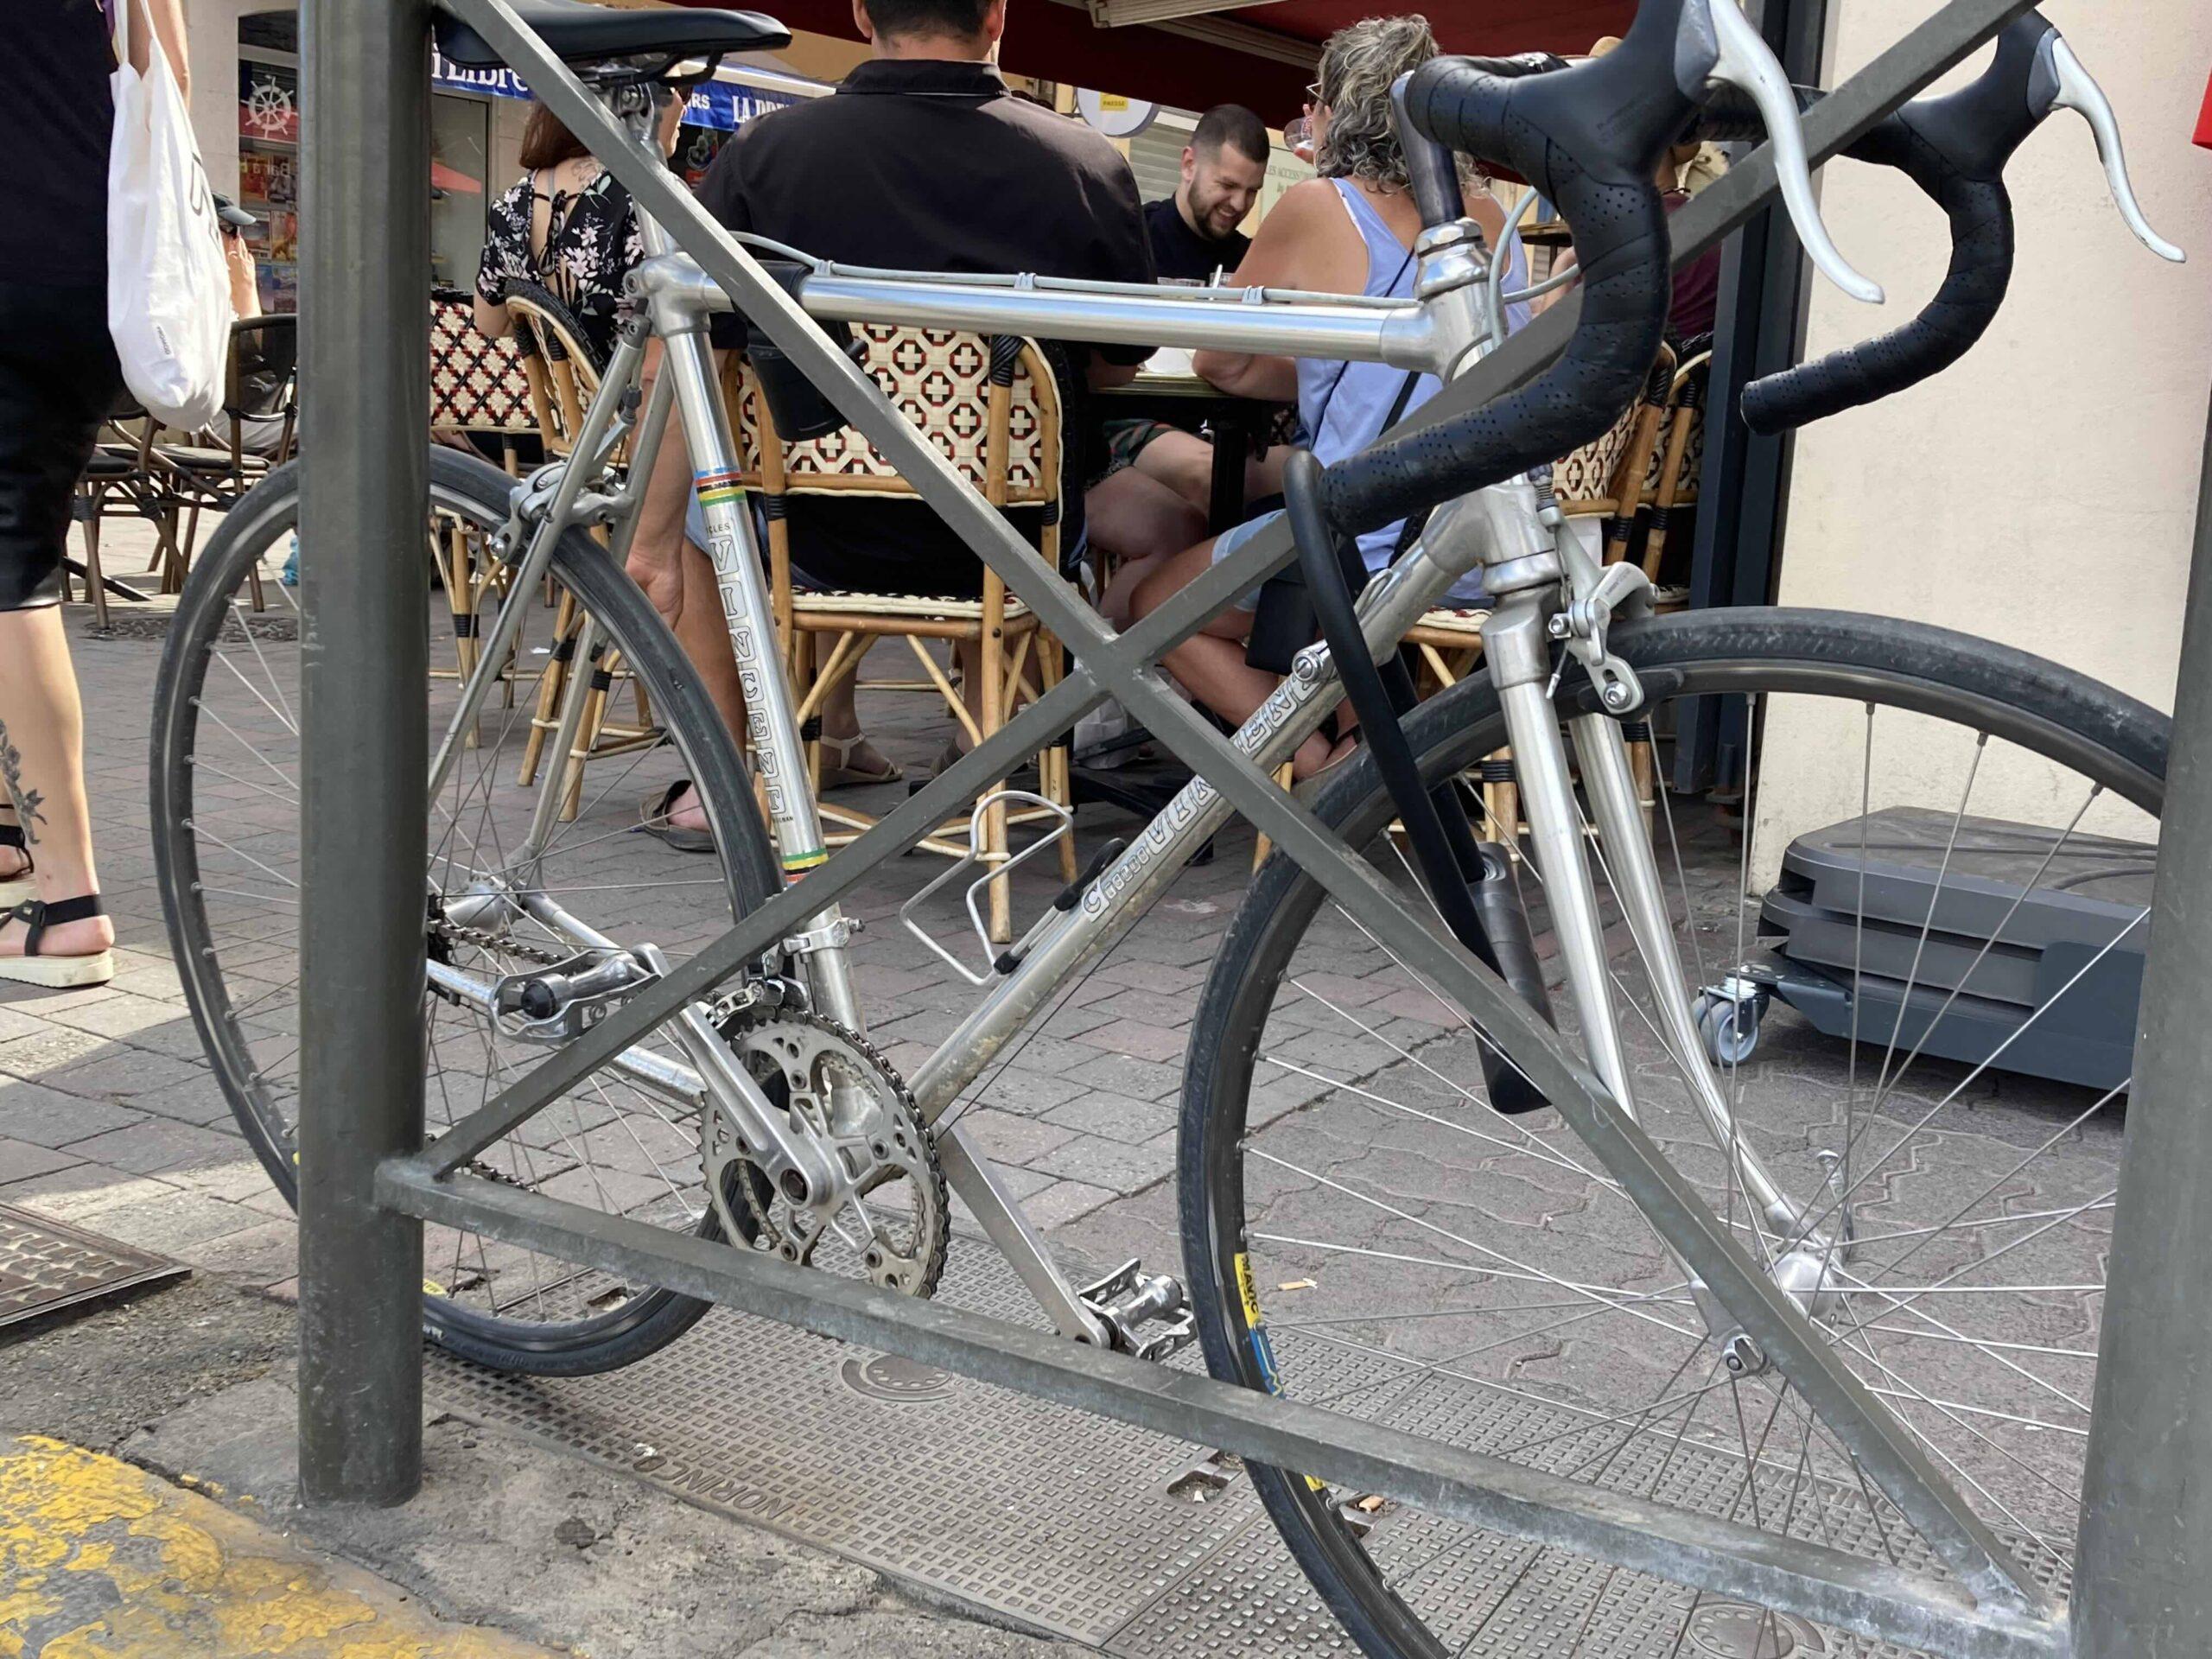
992, 408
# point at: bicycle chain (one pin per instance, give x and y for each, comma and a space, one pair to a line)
893, 1096
484, 939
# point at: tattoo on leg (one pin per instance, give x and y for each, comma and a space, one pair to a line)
27, 800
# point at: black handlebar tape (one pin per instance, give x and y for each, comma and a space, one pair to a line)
1973, 292
1955, 147
1589, 138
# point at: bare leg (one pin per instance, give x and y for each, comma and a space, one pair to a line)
42, 767
1211, 663
1130, 516
1184, 463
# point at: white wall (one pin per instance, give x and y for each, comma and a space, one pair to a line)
2041, 492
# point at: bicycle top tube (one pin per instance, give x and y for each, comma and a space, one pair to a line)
1405, 334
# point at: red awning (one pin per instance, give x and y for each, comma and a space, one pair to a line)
1054, 41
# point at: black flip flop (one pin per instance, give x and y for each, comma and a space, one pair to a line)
652, 818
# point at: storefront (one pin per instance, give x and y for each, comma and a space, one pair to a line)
476, 124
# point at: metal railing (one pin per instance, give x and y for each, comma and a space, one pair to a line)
367, 1184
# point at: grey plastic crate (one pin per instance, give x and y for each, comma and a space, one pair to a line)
2015, 937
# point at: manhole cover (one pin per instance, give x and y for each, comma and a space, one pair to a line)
46, 1265
1729, 1630
886, 1377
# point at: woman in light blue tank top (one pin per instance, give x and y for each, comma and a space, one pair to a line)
1351, 230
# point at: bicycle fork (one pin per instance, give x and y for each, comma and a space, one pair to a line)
1517, 641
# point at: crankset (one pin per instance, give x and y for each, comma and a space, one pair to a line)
884, 1214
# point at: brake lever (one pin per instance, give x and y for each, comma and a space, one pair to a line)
2061, 83
1731, 51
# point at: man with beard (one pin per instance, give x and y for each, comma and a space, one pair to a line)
1194, 231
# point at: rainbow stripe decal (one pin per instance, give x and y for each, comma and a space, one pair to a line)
798, 864
715, 488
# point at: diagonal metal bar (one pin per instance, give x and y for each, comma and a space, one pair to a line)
1851, 1593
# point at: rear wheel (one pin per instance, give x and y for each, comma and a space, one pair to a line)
226, 801
1362, 1232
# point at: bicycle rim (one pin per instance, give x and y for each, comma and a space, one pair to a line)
226, 798
1362, 1232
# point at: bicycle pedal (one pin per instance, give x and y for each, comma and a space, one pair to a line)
1130, 1299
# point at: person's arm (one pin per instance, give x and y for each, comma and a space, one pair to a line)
166, 18
1291, 251
492, 319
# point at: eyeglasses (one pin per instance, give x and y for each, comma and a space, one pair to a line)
1313, 94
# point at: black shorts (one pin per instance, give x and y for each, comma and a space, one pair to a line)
59, 380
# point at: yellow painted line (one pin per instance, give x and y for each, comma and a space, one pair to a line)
100, 1559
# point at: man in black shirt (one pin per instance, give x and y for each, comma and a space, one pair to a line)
922, 160
1194, 232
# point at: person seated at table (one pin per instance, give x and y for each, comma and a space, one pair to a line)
922, 160
1196, 231
568, 226
1350, 230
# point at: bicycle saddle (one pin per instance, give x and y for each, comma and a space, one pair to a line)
586, 34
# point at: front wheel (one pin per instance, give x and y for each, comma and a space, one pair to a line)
226, 806
1362, 1232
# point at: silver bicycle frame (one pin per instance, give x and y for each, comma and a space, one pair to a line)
1498, 528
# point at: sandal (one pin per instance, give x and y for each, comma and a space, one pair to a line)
13, 889
653, 818
843, 774
56, 972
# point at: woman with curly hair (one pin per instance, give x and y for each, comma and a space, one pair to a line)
1350, 231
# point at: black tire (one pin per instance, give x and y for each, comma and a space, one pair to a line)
646, 1322
2107, 737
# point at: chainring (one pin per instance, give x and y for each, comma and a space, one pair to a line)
838, 1091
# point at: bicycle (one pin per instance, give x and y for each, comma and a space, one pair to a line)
1711, 1258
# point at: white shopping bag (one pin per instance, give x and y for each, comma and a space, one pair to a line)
169, 301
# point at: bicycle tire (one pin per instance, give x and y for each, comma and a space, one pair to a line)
645, 1323
2107, 737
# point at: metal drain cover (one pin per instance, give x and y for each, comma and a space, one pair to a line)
46, 1266
1069, 1525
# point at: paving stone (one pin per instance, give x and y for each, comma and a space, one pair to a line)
21, 1161
1009, 1138
47, 1117
1063, 1202
150, 1148
177, 1223
1123, 1075
1118, 1117
1138, 1040
1111, 1164
48, 1051
255, 1255
1153, 1007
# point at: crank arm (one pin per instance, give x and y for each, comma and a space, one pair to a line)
656, 1074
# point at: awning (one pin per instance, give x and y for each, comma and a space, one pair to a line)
1213, 51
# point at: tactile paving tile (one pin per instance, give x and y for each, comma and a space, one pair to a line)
1064, 1523
46, 1266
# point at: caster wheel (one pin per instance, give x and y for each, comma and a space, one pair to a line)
1731, 1029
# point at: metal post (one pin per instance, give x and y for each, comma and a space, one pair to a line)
365, 393
2143, 1577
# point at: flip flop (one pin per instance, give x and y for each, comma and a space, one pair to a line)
56, 972
652, 818
841, 774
